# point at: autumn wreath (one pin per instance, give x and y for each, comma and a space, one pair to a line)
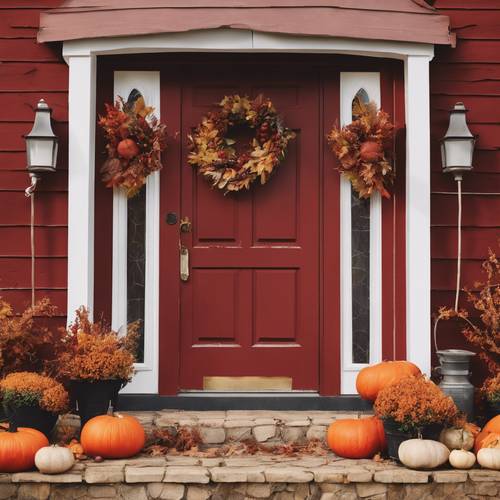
212, 152
363, 149
135, 140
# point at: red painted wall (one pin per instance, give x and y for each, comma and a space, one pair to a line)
29, 71
468, 73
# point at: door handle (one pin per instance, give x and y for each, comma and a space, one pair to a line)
184, 263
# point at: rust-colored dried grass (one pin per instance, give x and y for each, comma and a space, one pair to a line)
26, 342
95, 352
415, 402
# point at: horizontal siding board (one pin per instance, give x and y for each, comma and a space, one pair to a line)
49, 241
474, 182
19, 23
20, 107
28, 50
444, 273
474, 51
475, 242
34, 77
49, 272
482, 109
477, 24
18, 180
50, 208
21, 298
477, 211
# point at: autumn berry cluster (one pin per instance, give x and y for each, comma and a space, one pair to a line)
135, 141
363, 149
212, 152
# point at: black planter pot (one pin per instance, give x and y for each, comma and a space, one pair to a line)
33, 417
93, 398
395, 437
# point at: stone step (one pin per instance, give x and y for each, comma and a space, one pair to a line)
220, 427
324, 477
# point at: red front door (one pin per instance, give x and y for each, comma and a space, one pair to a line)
251, 304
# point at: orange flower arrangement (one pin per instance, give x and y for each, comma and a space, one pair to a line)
415, 402
26, 343
95, 352
30, 389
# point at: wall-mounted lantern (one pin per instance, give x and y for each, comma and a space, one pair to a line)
457, 146
41, 146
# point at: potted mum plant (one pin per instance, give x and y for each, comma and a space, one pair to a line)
413, 407
33, 400
97, 362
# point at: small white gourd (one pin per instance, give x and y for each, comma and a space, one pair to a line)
54, 459
462, 459
423, 453
457, 439
489, 458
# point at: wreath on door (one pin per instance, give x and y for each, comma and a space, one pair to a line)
213, 153
364, 150
135, 141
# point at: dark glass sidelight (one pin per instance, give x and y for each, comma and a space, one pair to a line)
136, 263
360, 263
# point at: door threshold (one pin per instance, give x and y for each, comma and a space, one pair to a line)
246, 401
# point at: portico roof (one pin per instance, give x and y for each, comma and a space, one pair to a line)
391, 20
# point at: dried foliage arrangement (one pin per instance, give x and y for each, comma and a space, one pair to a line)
135, 141
415, 402
491, 389
486, 335
364, 150
26, 342
187, 441
213, 154
95, 352
30, 389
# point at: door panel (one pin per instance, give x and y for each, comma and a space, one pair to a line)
251, 304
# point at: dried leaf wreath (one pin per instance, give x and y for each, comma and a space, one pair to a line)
363, 149
212, 152
135, 141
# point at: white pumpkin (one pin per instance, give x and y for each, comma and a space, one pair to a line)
489, 458
423, 453
462, 459
457, 439
54, 459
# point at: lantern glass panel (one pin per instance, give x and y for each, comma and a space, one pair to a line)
458, 152
40, 152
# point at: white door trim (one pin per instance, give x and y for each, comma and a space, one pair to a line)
80, 56
350, 84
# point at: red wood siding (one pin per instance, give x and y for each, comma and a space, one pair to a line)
28, 72
468, 73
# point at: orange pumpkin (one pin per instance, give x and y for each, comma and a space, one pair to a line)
370, 151
18, 448
372, 379
112, 436
492, 427
127, 149
356, 438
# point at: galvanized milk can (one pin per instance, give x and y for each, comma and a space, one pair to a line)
455, 371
